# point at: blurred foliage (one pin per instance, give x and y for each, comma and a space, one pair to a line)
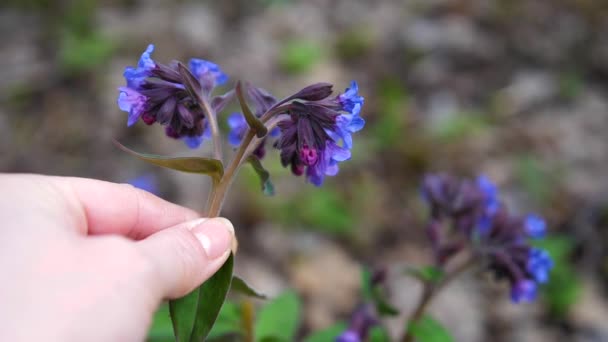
378, 334
427, 274
564, 288
427, 329
81, 47
538, 183
354, 44
570, 84
279, 319
327, 334
392, 105
459, 125
374, 293
83, 53
298, 56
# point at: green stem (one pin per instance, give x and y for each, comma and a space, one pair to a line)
430, 291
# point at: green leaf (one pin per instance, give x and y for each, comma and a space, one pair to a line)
252, 120
378, 334
183, 312
376, 295
228, 321
327, 334
427, 329
240, 286
161, 329
427, 274
207, 166
212, 295
267, 187
279, 318
564, 287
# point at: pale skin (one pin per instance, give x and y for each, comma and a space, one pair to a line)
87, 260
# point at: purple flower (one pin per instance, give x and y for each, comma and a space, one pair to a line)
318, 134
476, 218
539, 265
523, 291
305, 144
535, 226
361, 321
349, 336
327, 164
132, 102
165, 94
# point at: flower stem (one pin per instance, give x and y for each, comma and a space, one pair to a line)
429, 292
247, 319
215, 132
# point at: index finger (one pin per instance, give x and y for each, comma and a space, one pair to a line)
122, 209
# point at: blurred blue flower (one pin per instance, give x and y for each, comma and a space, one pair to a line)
539, 265
349, 336
145, 182
535, 226
523, 291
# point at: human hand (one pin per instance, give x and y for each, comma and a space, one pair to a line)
87, 260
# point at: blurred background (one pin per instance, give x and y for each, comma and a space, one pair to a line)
514, 89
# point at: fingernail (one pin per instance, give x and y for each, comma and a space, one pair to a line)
215, 235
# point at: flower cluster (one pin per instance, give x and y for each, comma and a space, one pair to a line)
313, 135
467, 213
170, 95
318, 133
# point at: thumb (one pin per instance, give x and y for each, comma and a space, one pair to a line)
184, 256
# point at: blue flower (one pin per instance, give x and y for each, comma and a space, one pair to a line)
132, 102
349, 336
350, 98
535, 226
208, 73
145, 66
347, 124
491, 203
539, 265
238, 127
145, 182
523, 291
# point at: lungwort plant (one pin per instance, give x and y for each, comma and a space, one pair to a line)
311, 129
468, 225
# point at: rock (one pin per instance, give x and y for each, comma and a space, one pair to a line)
328, 277
527, 90
589, 313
